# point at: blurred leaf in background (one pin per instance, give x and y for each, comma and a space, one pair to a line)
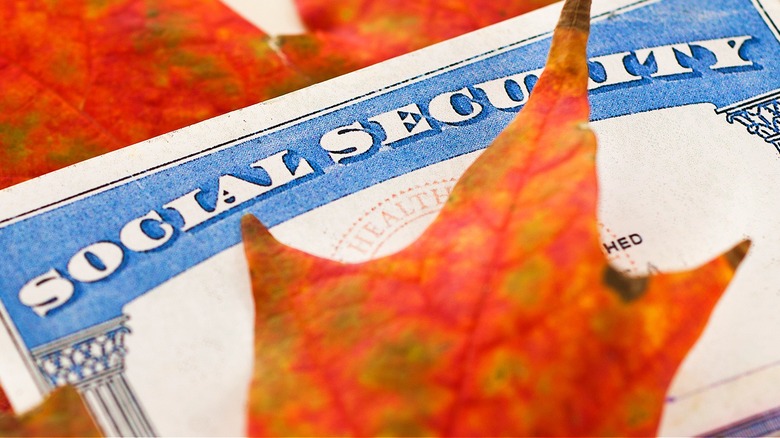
85, 77
80, 78
62, 414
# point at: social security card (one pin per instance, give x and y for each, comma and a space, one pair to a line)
123, 275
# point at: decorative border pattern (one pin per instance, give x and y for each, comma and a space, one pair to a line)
759, 425
91, 358
760, 115
93, 361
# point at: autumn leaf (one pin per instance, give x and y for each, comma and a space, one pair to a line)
502, 319
5, 405
121, 71
62, 414
381, 30
358, 33
117, 72
411, 25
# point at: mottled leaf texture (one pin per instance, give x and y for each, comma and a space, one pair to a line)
5, 405
62, 414
502, 319
83, 77
369, 31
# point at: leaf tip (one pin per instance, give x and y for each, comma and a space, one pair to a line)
250, 224
256, 235
260, 245
737, 254
575, 15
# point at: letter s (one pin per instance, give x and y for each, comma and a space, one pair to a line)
347, 141
46, 292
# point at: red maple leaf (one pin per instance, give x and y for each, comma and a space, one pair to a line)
119, 72
502, 319
358, 33
81, 78
122, 71
5, 406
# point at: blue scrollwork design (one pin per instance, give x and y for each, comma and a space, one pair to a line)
761, 117
87, 359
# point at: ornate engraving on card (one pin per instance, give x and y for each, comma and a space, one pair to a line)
760, 115
94, 362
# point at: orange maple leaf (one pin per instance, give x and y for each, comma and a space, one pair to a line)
81, 78
502, 319
5, 405
358, 33
122, 71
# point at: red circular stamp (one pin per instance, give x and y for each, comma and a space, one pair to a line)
393, 222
